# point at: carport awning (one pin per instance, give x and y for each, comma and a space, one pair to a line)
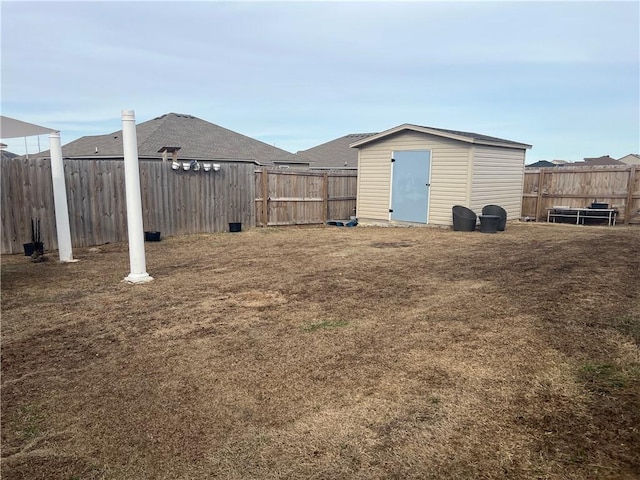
12, 128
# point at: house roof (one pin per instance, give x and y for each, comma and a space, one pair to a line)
588, 162
5, 154
604, 160
541, 164
335, 153
630, 159
195, 138
468, 137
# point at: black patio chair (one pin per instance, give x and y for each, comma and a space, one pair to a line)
499, 211
464, 219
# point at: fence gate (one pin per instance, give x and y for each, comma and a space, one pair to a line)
302, 197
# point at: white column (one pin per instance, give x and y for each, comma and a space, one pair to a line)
134, 202
60, 199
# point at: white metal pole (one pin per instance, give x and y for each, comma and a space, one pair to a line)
135, 228
60, 199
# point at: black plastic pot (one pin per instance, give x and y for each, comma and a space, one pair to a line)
464, 219
31, 247
235, 227
489, 223
496, 210
151, 236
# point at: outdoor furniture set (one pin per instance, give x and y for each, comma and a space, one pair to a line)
597, 212
492, 220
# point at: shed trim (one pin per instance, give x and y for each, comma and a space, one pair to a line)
465, 137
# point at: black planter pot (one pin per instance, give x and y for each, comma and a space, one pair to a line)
235, 227
151, 236
31, 247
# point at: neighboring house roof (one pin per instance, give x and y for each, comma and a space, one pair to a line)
5, 154
468, 137
604, 160
541, 164
594, 161
559, 162
335, 153
196, 139
631, 159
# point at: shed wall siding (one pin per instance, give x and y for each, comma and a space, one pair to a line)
449, 175
498, 176
374, 183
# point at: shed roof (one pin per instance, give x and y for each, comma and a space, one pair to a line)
335, 153
195, 138
468, 137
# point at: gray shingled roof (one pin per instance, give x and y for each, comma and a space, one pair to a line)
6, 154
541, 164
604, 160
197, 139
470, 137
335, 153
475, 136
595, 161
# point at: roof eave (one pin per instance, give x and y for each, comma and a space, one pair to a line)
380, 135
438, 133
415, 128
519, 146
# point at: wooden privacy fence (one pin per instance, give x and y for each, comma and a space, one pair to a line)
184, 202
619, 186
301, 197
173, 202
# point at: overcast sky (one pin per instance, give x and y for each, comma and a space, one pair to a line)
562, 76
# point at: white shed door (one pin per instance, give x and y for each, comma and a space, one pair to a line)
410, 184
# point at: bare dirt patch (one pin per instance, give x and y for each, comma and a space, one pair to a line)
361, 353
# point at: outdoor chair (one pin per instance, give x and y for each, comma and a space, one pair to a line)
500, 212
464, 219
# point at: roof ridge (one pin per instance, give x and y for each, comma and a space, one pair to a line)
162, 120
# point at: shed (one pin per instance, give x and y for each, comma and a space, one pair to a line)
415, 174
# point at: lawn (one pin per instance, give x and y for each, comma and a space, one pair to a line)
328, 353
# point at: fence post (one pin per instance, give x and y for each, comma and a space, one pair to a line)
265, 196
539, 200
630, 186
325, 197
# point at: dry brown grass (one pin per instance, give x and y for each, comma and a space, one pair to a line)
328, 353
